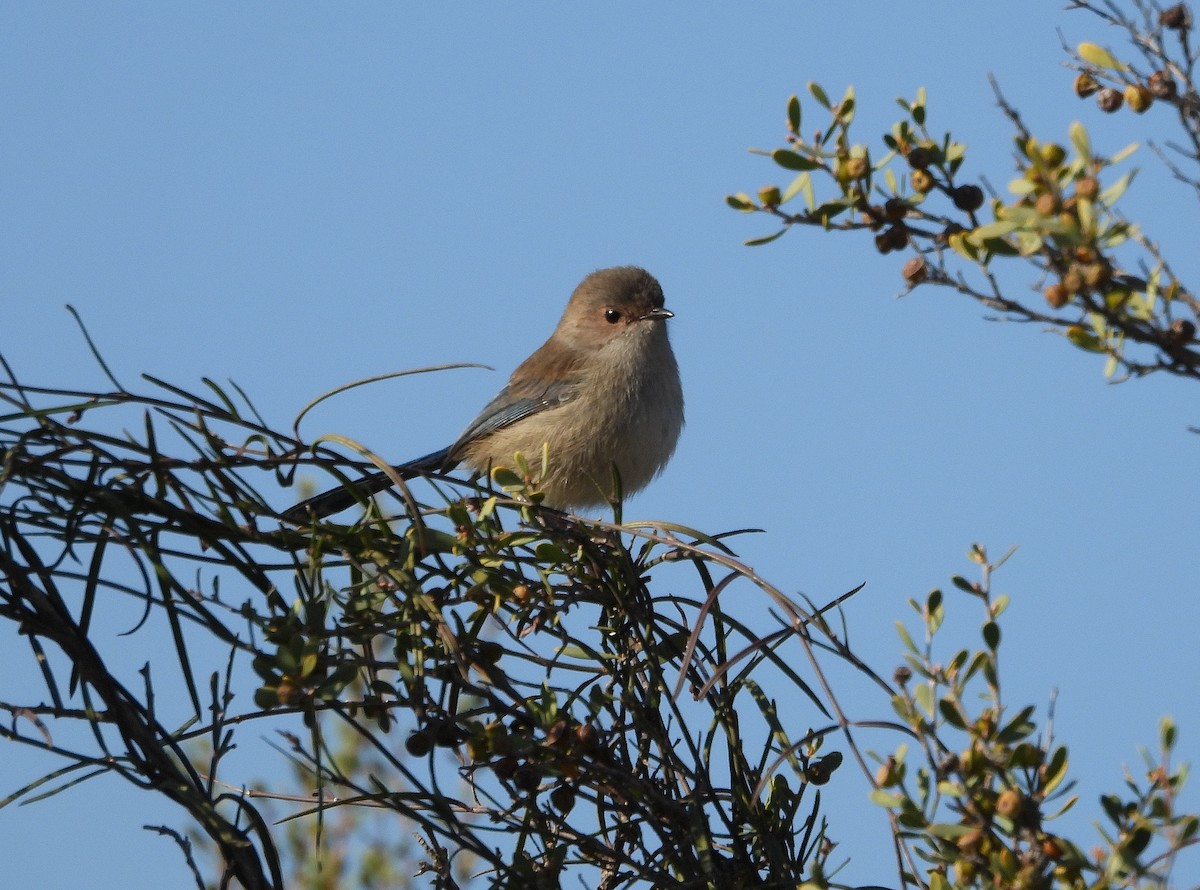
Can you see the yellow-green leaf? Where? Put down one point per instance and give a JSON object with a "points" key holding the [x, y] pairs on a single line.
{"points": [[1081, 142], [1100, 57], [800, 183]]}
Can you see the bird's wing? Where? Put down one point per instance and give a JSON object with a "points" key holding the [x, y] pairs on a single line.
{"points": [[518, 400]]}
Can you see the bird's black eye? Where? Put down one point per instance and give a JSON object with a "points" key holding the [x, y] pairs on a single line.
{"points": [[612, 316]]}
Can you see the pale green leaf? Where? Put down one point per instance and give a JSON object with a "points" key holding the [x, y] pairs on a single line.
{"points": [[886, 798], [800, 183], [1081, 142], [1029, 243], [1123, 153], [1021, 186], [923, 696], [998, 229], [1112, 194], [1100, 57]]}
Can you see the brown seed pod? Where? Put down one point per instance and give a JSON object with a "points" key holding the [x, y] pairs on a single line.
{"points": [[857, 168], [1056, 295], [872, 217], [895, 209], [1087, 188], [1047, 204], [1162, 85], [1072, 280], [419, 743], [922, 181], [1085, 85], [1176, 18], [527, 776], [1109, 100], [1184, 330], [1008, 804], [1097, 276], [1138, 98], [896, 237], [968, 198], [920, 157], [915, 270]]}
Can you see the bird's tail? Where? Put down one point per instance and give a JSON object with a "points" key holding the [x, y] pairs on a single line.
{"points": [[345, 496]]}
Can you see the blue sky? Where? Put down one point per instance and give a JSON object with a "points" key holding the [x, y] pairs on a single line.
{"points": [[299, 196]]}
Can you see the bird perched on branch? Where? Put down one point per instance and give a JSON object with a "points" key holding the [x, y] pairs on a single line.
{"points": [[602, 394]]}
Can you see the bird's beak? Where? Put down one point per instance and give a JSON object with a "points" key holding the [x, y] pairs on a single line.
{"points": [[658, 315]]}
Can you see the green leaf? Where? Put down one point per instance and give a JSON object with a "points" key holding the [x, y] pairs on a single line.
{"points": [[949, 832], [991, 635], [506, 478], [766, 239], [918, 108], [308, 664], [819, 94], [952, 714], [845, 109], [1071, 801], [1083, 340], [905, 711], [791, 160], [980, 660], [963, 246], [1190, 826], [1138, 841], [1025, 756], [904, 637], [548, 552], [793, 113], [741, 201], [1112, 807], [1166, 732], [1018, 728], [1100, 57]]}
